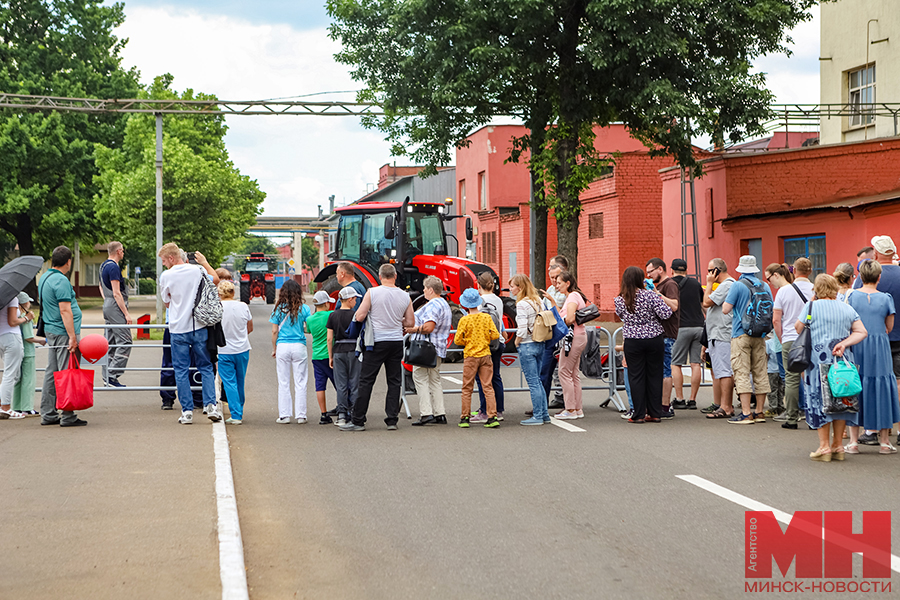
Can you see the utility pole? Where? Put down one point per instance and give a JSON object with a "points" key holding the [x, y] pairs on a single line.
{"points": [[159, 215]]}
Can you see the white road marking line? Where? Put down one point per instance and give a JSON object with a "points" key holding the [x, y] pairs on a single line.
{"points": [[452, 379], [751, 504], [566, 425], [231, 549]]}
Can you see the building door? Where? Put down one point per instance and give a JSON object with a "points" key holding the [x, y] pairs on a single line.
{"points": [[754, 247]]}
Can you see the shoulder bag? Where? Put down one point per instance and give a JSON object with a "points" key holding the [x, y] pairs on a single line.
{"points": [[800, 354], [587, 314], [421, 353], [207, 304]]}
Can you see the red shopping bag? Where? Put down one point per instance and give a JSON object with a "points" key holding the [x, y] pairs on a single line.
{"points": [[74, 387]]}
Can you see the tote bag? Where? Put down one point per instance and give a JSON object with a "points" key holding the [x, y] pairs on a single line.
{"points": [[421, 353], [74, 386]]}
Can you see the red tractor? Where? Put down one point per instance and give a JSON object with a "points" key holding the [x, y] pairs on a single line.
{"points": [[257, 280], [412, 236]]}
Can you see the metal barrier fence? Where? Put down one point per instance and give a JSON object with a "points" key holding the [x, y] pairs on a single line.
{"points": [[511, 360]]}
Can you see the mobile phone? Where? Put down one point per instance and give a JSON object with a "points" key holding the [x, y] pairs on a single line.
{"points": [[716, 271], [192, 257]]}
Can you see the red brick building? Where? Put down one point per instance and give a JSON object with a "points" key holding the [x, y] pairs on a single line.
{"points": [[621, 224]]}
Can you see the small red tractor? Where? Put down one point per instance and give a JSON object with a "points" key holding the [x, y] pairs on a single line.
{"points": [[257, 280]]}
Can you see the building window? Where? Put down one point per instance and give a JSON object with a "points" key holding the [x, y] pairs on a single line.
{"points": [[812, 247], [91, 273], [862, 92], [482, 191], [489, 247], [595, 226], [462, 197]]}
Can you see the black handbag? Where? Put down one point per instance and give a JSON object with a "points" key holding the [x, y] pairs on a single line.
{"points": [[587, 314], [421, 353], [800, 354]]}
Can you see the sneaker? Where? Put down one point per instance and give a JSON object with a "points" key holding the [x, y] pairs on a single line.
{"points": [[532, 421], [325, 420], [186, 418], [759, 418], [771, 414], [392, 427], [464, 422], [301, 421], [579, 414], [742, 419], [283, 420], [233, 421], [679, 404], [440, 419], [567, 415], [710, 409], [341, 422], [781, 417], [206, 410], [691, 405], [492, 422], [349, 426], [114, 382], [478, 418], [667, 413], [499, 416], [213, 413], [626, 415], [869, 439]]}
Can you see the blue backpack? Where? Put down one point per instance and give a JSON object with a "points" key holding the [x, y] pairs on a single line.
{"points": [[756, 319]]}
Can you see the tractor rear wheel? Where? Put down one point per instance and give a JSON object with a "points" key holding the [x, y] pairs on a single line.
{"points": [[270, 292], [245, 292], [456, 313]]}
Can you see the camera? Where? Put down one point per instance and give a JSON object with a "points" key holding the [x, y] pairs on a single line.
{"points": [[192, 258]]}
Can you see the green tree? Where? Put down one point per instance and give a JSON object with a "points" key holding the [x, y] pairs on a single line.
{"points": [[57, 48], [207, 203], [670, 70], [309, 254]]}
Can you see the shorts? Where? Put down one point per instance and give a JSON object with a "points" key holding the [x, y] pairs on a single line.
{"points": [[323, 373], [748, 357], [895, 356], [720, 356], [687, 346], [667, 357]]}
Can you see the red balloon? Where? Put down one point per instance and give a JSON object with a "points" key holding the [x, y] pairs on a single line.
{"points": [[93, 347]]}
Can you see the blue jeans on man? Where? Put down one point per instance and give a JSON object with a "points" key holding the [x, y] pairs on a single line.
{"points": [[530, 356], [184, 347]]}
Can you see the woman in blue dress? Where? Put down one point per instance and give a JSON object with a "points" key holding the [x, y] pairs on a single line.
{"points": [[834, 327], [879, 407]]}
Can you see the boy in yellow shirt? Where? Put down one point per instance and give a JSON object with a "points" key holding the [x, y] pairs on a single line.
{"points": [[474, 334]]}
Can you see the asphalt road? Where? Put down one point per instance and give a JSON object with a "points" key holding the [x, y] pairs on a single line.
{"points": [[126, 506]]}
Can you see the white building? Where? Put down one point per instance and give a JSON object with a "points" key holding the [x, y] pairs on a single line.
{"points": [[859, 63]]}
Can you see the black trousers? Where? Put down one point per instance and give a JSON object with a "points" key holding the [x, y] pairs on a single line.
{"points": [[645, 375], [389, 354]]}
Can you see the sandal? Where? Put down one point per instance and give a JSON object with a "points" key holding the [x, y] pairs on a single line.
{"points": [[11, 414], [820, 456], [887, 449], [837, 453], [851, 448], [719, 414]]}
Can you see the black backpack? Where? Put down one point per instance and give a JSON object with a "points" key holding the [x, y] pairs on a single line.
{"points": [[756, 319]]}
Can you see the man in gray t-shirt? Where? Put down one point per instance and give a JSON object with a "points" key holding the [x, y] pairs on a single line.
{"points": [[718, 331]]}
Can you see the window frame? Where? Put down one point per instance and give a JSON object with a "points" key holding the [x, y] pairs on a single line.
{"points": [[790, 258], [862, 93]]}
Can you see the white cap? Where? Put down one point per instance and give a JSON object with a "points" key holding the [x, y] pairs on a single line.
{"points": [[348, 292], [322, 298], [883, 244]]}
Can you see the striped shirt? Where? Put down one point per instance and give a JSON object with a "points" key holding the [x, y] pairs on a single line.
{"points": [[437, 311]]}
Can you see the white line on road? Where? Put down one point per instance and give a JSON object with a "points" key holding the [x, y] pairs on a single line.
{"points": [[565, 425], [452, 379], [751, 504], [231, 549]]}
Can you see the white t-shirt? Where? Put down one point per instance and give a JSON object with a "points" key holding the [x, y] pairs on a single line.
{"points": [[4, 320], [788, 301], [235, 316], [178, 287]]}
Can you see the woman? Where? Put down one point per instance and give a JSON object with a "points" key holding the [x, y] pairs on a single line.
{"points": [[528, 304], [640, 311], [879, 408], [778, 276], [843, 273], [568, 362], [433, 321], [834, 327], [237, 324], [486, 289], [11, 351], [289, 350]]}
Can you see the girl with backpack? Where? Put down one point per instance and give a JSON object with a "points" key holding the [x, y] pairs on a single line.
{"points": [[528, 304], [289, 349]]}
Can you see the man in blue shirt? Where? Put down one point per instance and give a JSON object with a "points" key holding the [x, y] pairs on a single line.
{"points": [[748, 354], [346, 277], [62, 323], [115, 312]]}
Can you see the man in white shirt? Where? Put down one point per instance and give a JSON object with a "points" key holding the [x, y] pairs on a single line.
{"points": [[178, 288], [789, 303]]}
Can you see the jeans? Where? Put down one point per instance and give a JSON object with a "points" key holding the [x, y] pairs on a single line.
{"points": [[645, 375], [389, 354], [232, 372], [548, 366], [496, 382], [184, 347], [628, 390], [530, 356], [346, 381], [667, 357]]}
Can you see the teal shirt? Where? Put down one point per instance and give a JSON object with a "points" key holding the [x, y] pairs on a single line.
{"points": [[27, 330], [54, 287], [291, 332]]}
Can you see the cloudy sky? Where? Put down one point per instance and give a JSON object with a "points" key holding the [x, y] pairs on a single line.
{"points": [[269, 49]]}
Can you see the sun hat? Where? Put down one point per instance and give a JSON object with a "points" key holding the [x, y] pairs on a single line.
{"points": [[883, 244], [322, 298], [348, 292], [747, 264], [470, 298], [23, 297]]}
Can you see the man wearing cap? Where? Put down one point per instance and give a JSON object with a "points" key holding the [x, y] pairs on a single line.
{"points": [[342, 354], [433, 322], [317, 325], [690, 329], [667, 288], [748, 354], [789, 303]]}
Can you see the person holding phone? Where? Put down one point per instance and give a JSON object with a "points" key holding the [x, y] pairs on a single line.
{"points": [[718, 331]]}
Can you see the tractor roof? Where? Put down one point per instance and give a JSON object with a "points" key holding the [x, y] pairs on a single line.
{"points": [[383, 206]]}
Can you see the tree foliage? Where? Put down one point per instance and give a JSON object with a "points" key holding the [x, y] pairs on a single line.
{"points": [[670, 70], [56, 48], [207, 203], [309, 252]]}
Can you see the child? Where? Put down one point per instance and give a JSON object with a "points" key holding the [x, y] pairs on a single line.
{"points": [[237, 323], [342, 354], [776, 383], [474, 334], [289, 350], [317, 325], [23, 393]]}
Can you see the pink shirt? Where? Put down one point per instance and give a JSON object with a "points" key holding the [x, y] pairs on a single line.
{"points": [[575, 298]]}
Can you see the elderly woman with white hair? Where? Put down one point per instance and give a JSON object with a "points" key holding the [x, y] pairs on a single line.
{"points": [[433, 322], [237, 323]]}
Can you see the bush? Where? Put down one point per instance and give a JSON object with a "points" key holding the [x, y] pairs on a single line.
{"points": [[148, 287]]}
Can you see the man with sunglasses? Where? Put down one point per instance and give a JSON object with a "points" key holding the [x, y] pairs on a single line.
{"points": [[668, 289], [550, 366]]}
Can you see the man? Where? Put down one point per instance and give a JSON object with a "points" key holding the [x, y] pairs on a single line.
{"points": [[346, 277], [386, 310], [62, 322], [687, 345], [748, 354], [718, 331], [178, 288], [667, 288], [867, 253], [789, 303], [549, 364], [115, 312]]}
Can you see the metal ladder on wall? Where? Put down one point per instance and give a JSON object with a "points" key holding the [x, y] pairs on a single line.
{"points": [[689, 219]]}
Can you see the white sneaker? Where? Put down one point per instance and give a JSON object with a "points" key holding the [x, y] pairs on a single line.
{"points": [[213, 413], [283, 420], [205, 410], [340, 422], [186, 418], [567, 415], [301, 421], [626, 415]]}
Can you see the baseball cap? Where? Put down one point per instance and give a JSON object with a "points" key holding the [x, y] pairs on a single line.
{"points": [[348, 292], [679, 264], [23, 297], [322, 298], [883, 244]]}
